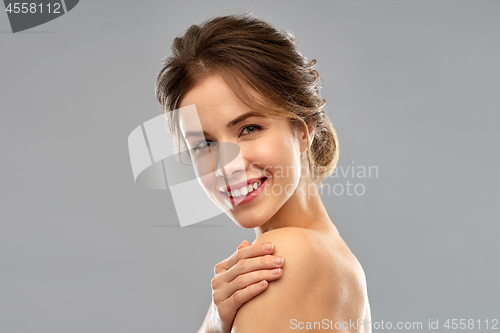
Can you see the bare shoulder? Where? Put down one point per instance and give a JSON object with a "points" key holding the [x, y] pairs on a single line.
{"points": [[321, 279], [295, 242]]}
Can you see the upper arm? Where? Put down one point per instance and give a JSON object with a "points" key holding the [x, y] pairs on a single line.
{"points": [[268, 311], [294, 295]]}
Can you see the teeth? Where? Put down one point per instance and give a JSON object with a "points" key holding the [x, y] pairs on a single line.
{"points": [[243, 191]]}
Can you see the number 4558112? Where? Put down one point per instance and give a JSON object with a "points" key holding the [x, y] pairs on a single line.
{"points": [[470, 324], [32, 7]]}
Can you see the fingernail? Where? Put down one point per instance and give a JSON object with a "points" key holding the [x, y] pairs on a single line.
{"points": [[277, 260], [275, 271], [267, 246]]}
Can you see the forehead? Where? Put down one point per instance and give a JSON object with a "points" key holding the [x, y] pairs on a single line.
{"points": [[214, 100]]}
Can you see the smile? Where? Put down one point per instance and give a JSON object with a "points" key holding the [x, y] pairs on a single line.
{"points": [[246, 193], [244, 190]]}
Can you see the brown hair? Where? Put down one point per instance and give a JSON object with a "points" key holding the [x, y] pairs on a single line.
{"points": [[249, 52]]}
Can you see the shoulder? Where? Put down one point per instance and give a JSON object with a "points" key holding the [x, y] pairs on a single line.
{"points": [[302, 252], [296, 242], [318, 274]]}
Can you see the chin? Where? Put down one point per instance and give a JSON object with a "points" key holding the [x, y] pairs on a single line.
{"points": [[259, 215], [249, 222]]}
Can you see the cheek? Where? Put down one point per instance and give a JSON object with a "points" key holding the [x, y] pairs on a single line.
{"points": [[261, 154], [208, 183], [279, 155]]}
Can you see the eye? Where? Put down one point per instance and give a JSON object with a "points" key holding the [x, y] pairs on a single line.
{"points": [[250, 129], [202, 146]]}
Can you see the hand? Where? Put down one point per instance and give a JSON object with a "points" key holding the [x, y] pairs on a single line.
{"points": [[239, 278]]}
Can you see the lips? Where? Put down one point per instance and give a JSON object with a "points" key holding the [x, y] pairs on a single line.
{"points": [[243, 188], [245, 198]]}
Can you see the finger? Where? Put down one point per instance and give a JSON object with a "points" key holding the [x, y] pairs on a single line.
{"points": [[244, 295], [220, 267], [243, 244], [224, 265], [243, 281], [253, 264], [254, 250]]}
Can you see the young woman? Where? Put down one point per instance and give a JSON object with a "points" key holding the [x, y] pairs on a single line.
{"points": [[254, 90]]}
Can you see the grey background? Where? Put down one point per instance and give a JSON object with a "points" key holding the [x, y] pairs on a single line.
{"points": [[412, 87]]}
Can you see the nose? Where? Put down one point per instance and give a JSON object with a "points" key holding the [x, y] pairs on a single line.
{"points": [[229, 160]]}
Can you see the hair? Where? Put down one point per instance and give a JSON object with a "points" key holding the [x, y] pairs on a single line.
{"points": [[248, 52]]}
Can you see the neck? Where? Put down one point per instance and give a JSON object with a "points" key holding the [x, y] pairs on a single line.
{"points": [[304, 209]]}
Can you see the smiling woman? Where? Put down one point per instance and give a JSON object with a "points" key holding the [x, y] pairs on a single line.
{"points": [[259, 112]]}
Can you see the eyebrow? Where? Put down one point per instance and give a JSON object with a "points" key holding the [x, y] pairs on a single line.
{"points": [[230, 124], [243, 117]]}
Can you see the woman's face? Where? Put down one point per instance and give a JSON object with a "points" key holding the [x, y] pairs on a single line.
{"points": [[254, 186]]}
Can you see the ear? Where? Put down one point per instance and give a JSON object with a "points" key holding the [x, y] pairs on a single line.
{"points": [[303, 138]]}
